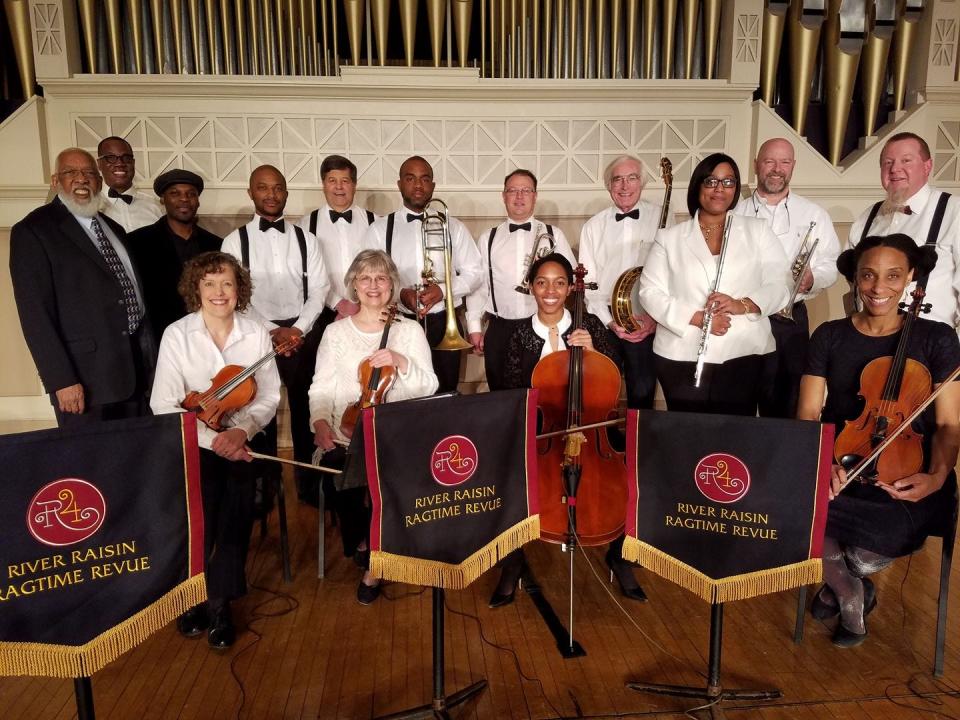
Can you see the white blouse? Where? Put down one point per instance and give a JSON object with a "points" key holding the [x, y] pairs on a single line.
{"points": [[336, 384], [189, 359]]}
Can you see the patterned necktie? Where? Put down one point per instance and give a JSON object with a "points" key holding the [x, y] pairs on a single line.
{"points": [[116, 266]]}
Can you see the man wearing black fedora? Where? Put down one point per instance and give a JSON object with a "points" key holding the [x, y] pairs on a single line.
{"points": [[163, 248]]}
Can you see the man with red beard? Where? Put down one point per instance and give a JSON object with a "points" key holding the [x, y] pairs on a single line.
{"points": [[80, 302], [927, 215], [121, 201]]}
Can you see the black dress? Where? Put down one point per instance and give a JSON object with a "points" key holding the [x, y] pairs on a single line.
{"points": [[863, 515]]}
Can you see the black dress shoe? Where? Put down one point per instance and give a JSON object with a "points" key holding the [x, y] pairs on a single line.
{"points": [[194, 621], [366, 594], [499, 599], [221, 634], [845, 638], [511, 568], [822, 610], [623, 572]]}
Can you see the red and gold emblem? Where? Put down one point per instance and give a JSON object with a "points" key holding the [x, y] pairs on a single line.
{"points": [[454, 460], [722, 478], [65, 512]]}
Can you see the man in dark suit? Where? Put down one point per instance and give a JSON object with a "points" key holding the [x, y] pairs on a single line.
{"points": [[79, 300], [163, 248]]}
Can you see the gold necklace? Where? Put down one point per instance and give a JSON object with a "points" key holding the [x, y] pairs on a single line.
{"points": [[709, 230]]}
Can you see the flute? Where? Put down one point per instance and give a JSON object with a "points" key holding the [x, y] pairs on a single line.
{"points": [[707, 323]]}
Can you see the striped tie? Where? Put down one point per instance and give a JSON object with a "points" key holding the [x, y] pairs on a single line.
{"points": [[113, 262]]}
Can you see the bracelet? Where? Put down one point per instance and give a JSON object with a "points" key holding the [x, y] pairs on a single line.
{"points": [[746, 306]]}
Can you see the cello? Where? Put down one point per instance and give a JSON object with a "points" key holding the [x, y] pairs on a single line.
{"points": [[374, 382], [582, 479]]}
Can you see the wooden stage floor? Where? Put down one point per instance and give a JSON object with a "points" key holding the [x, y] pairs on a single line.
{"points": [[308, 650]]}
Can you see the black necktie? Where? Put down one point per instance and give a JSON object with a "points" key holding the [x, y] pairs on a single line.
{"points": [[278, 225], [128, 199], [346, 215], [411, 217], [521, 226], [123, 280], [633, 215]]}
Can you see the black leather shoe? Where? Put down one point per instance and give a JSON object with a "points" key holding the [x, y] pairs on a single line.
{"points": [[623, 572], [366, 594], [512, 567], [194, 621], [221, 634], [842, 637], [822, 610], [499, 599]]}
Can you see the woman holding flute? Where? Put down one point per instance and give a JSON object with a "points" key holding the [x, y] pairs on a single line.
{"points": [[711, 283]]}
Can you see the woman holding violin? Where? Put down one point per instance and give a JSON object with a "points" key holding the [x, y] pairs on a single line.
{"points": [[711, 283], [870, 524], [355, 353], [550, 330], [216, 289]]}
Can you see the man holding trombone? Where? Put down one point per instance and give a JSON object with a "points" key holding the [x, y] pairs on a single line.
{"points": [[810, 242], [430, 249], [507, 251]]}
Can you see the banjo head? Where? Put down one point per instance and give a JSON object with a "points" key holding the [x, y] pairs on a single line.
{"points": [[625, 299]]}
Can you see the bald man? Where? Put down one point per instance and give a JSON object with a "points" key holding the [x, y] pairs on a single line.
{"points": [[790, 215], [80, 301]]}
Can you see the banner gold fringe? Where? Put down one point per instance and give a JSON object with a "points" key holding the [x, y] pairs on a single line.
{"points": [[728, 589], [71, 661], [430, 573]]}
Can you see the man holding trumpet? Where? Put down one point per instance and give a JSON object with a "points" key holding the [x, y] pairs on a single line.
{"points": [[507, 251], [800, 225], [400, 234]]}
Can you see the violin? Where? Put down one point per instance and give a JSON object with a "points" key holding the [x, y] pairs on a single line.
{"points": [[583, 480], [892, 388], [232, 388], [374, 382]]}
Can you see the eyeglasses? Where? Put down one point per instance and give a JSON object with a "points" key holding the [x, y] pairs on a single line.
{"points": [[522, 192], [74, 174], [630, 179], [114, 159], [726, 183], [367, 280]]}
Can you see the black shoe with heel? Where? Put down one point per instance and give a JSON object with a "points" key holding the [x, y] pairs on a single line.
{"points": [[511, 570], [623, 572]]}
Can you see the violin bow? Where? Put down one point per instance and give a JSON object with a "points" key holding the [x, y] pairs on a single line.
{"points": [[318, 468], [867, 461]]}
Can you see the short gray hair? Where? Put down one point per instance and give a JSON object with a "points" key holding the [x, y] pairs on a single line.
{"points": [[372, 260], [608, 170]]}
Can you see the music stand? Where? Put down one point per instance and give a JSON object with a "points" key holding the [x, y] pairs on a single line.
{"points": [[714, 692], [83, 693], [438, 707]]}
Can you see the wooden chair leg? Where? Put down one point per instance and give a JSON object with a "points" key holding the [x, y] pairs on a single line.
{"points": [[321, 512], [801, 609], [284, 538]]}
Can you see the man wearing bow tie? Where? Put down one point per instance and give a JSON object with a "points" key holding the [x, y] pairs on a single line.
{"points": [[290, 289], [611, 242], [505, 254], [789, 216], [121, 201], [927, 215], [399, 235], [339, 226]]}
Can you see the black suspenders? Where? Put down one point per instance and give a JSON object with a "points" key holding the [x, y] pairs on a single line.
{"points": [[301, 241], [493, 233]]}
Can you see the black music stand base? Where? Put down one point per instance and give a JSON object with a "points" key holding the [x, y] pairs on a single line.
{"points": [[83, 692], [713, 692], [441, 703]]}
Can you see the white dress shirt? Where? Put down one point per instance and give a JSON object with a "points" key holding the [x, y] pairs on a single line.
{"points": [[339, 243], [511, 260], [189, 359], [276, 268], [609, 248], [87, 224], [344, 346], [943, 284], [407, 253], [790, 220], [678, 275], [144, 210]]}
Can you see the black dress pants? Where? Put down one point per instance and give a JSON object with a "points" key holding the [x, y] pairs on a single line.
{"points": [[729, 388], [784, 368], [495, 342]]}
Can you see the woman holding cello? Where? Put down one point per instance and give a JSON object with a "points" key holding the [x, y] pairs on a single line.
{"points": [[550, 330], [216, 289], [361, 345], [870, 524]]}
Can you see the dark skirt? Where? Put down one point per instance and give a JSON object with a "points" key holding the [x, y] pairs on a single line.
{"points": [[866, 517]]}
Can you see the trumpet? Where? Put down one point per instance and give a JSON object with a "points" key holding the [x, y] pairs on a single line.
{"points": [[707, 325], [535, 254], [435, 237], [799, 266]]}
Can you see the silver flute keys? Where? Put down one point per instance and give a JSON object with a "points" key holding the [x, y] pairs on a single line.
{"points": [[707, 324]]}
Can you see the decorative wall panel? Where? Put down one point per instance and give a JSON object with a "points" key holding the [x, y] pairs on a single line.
{"points": [[465, 153], [946, 153]]}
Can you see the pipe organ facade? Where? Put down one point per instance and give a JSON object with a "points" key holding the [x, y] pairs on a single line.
{"points": [[478, 87]]}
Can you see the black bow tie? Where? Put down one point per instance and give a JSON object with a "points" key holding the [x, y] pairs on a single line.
{"points": [[128, 199], [278, 225], [521, 226], [633, 215], [346, 215], [411, 217]]}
